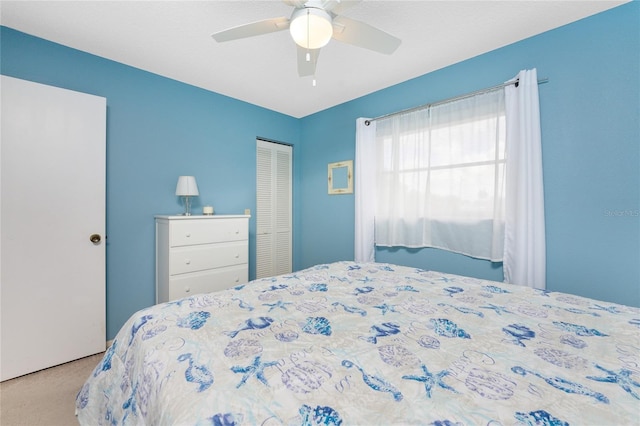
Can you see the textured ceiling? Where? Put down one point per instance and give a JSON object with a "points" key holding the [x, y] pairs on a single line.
{"points": [[173, 39]]}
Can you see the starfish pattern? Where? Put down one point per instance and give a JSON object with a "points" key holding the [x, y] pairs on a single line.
{"points": [[431, 379], [498, 309], [254, 369], [386, 308], [621, 377], [278, 304]]}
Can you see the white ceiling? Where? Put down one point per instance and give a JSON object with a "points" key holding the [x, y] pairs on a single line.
{"points": [[173, 39]]}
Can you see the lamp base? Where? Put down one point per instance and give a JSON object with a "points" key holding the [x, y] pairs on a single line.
{"points": [[187, 206]]}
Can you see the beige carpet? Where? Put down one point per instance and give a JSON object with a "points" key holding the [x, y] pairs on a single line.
{"points": [[46, 397]]}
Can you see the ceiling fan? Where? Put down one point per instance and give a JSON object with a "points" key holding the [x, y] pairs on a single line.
{"points": [[312, 24]]}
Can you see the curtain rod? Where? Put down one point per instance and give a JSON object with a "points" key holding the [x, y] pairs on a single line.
{"points": [[455, 98]]}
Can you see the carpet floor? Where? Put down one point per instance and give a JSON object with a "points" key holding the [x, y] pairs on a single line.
{"points": [[46, 397]]}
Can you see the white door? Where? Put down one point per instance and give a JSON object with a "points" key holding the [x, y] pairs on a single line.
{"points": [[273, 209], [52, 188]]}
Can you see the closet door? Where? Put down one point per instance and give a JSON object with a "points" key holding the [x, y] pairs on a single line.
{"points": [[52, 286], [273, 209]]}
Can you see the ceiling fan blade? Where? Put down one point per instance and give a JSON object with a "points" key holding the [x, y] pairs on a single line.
{"points": [[306, 68], [295, 3], [364, 35], [338, 6], [253, 29]]}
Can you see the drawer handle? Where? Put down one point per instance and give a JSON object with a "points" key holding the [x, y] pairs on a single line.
{"points": [[187, 289], [237, 279], [187, 262], [237, 231], [188, 235], [237, 255]]}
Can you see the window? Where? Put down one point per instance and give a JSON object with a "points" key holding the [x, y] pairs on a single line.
{"points": [[441, 177]]}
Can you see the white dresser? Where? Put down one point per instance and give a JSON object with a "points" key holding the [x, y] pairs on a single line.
{"points": [[200, 254]]}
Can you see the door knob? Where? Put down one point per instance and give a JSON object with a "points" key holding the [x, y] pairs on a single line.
{"points": [[95, 238]]}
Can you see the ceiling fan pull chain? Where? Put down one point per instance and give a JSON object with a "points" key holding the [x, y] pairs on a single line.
{"points": [[308, 34], [309, 51], [308, 56]]}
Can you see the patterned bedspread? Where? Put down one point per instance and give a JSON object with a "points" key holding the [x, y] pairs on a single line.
{"points": [[363, 344]]}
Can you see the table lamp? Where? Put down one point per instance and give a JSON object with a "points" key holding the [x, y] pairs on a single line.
{"points": [[187, 188]]}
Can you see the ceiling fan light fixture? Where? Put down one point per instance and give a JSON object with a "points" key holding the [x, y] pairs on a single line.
{"points": [[311, 28]]}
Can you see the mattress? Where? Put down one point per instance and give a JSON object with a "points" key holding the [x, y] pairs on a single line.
{"points": [[371, 343]]}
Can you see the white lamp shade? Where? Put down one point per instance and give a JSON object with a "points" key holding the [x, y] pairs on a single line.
{"points": [[311, 28], [187, 186]]}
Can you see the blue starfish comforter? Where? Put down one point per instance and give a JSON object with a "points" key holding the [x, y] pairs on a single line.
{"points": [[363, 344]]}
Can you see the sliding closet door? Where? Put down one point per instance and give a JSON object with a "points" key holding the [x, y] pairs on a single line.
{"points": [[274, 209], [52, 286]]}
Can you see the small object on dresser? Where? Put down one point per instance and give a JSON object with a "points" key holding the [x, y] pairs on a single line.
{"points": [[207, 210]]}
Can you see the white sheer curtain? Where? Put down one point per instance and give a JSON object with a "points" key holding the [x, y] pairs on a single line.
{"points": [[524, 247], [440, 179], [365, 194], [522, 237]]}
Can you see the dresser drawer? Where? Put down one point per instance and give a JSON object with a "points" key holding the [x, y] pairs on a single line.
{"points": [[207, 256], [207, 281], [184, 233]]}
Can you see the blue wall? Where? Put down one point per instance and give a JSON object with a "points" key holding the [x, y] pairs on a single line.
{"points": [[158, 129], [590, 115]]}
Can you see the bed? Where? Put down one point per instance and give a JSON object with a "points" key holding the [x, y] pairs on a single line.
{"points": [[371, 343]]}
